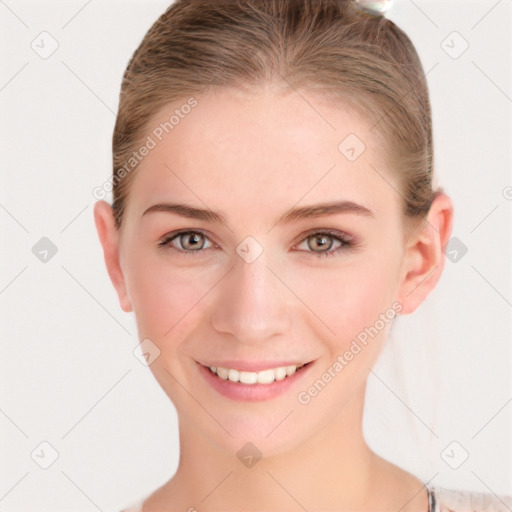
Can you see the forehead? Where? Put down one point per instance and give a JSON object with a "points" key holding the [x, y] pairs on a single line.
{"points": [[263, 148]]}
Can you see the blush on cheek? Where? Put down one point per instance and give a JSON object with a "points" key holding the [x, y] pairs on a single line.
{"points": [[166, 301], [342, 303], [348, 304]]}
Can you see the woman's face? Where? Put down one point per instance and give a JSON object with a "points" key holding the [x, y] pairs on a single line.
{"points": [[257, 290]]}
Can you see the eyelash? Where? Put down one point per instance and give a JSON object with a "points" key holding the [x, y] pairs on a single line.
{"points": [[347, 244]]}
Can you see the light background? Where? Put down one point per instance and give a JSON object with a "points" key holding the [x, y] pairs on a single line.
{"points": [[69, 376]]}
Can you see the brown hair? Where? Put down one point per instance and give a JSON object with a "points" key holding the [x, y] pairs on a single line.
{"points": [[328, 46]]}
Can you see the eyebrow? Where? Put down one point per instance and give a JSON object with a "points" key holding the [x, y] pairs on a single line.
{"points": [[291, 215]]}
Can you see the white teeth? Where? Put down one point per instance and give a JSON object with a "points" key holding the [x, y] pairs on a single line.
{"points": [[266, 377], [233, 375], [280, 373], [290, 370], [262, 377], [222, 373], [248, 377]]}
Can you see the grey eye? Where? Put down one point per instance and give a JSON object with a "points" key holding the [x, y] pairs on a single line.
{"points": [[320, 241], [191, 241]]}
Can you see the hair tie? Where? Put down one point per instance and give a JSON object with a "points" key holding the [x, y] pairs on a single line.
{"points": [[373, 7]]}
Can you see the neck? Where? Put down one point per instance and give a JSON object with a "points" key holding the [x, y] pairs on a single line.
{"points": [[333, 470]]}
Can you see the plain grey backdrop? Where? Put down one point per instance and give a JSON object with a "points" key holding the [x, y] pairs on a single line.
{"points": [[83, 424]]}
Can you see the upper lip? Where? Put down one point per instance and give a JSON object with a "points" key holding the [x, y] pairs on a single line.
{"points": [[253, 366]]}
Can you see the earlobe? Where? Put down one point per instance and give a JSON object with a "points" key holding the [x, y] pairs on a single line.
{"points": [[424, 258], [109, 238]]}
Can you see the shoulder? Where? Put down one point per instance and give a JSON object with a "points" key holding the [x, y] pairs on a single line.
{"points": [[137, 507], [458, 500], [134, 507]]}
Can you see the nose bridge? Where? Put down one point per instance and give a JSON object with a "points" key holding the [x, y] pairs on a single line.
{"points": [[252, 303]]}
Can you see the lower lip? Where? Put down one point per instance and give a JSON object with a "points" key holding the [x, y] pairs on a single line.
{"points": [[252, 392]]}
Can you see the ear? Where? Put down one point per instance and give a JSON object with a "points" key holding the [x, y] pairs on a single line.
{"points": [[109, 236], [424, 258]]}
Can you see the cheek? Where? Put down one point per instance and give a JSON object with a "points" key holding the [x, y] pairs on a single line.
{"points": [[348, 299], [341, 299], [165, 297]]}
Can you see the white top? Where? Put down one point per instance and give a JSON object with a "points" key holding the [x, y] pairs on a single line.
{"points": [[440, 500], [452, 500]]}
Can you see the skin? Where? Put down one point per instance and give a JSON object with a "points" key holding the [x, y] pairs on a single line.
{"points": [[252, 155]]}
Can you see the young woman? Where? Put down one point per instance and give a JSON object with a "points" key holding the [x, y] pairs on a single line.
{"points": [[273, 204]]}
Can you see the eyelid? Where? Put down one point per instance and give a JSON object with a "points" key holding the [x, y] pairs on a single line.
{"points": [[335, 233], [348, 241], [166, 240]]}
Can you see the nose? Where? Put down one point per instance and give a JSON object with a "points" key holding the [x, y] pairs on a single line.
{"points": [[252, 304]]}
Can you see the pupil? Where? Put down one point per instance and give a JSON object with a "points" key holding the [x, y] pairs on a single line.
{"points": [[194, 239], [320, 238]]}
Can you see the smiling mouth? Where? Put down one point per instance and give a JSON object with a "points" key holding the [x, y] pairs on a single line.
{"points": [[261, 377]]}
